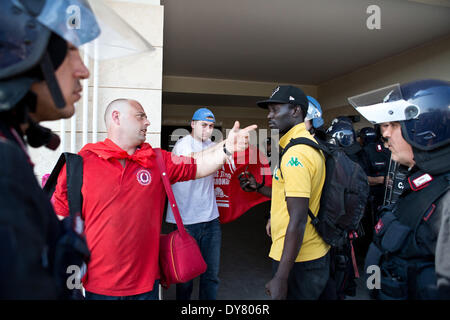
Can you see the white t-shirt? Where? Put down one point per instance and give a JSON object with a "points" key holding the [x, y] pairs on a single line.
{"points": [[195, 198]]}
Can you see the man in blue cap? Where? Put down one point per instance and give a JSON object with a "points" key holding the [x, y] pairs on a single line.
{"points": [[198, 208]]}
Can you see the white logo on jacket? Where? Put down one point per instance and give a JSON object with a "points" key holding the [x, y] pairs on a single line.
{"points": [[144, 177]]}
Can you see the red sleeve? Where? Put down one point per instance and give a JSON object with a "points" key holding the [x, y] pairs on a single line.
{"points": [[60, 202], [179, 168]]}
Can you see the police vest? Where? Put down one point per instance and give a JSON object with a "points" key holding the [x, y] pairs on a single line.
{"points": [[407, 265]]}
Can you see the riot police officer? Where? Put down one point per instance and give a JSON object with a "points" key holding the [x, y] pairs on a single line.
{"points": [[40, 73], [378, 157], [316, 125], [342, 133], [366, 135], [412, 237]]}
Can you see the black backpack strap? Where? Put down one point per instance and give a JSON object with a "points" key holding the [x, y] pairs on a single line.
{"points": [[50, 185], [308, 142], [414, 206], [74, 168]]}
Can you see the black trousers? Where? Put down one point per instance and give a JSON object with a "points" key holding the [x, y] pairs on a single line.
{"points": [[307, 280]]}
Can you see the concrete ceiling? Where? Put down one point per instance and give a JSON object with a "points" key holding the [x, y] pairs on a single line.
{"points": [[292, 41]]}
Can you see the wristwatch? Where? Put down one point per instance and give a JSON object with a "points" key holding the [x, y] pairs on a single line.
{"points": [[228, 153]]}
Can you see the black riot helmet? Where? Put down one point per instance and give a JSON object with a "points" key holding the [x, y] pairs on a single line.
{"points": [[423, 109], [368, 135], [34, 36], [341, 132]]}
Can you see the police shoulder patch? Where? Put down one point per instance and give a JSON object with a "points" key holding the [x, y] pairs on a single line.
{"points": [[420, 182]]}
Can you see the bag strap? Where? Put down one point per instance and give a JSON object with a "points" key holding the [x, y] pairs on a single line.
{"points": [[169, 192], [74, 169], [414, 206], [302, 140], [308, 142]]}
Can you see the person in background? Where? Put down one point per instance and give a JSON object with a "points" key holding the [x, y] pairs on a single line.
{"points": [[198, 208], [315, 124], [342, 133]]}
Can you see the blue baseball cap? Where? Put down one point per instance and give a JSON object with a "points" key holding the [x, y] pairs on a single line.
{"points": [[203, 114]]}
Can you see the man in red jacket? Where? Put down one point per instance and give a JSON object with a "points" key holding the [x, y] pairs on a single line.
{"points": [[123, 201]]}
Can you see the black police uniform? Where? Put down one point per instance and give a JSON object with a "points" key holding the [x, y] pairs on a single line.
{"points": [[409, 236], [377, 159], [29, 228], [356, 154], [35, 247], [412, 236]]}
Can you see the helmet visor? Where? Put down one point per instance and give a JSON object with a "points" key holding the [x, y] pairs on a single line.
{"points": [[384, 105], [81, 21], [313, 111], [344, 137]]}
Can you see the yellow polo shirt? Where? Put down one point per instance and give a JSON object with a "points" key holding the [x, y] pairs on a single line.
{"points": [[303, 169]]}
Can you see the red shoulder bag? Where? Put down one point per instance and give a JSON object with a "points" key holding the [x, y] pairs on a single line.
{"points": [[180, 259]]}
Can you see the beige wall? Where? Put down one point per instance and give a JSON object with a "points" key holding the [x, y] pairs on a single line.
{"points": [[431, 60], [428, 61], [225, 115], [136, 77]]}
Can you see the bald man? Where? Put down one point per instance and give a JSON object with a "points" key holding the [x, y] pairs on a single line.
{"points": [[124, 198]]}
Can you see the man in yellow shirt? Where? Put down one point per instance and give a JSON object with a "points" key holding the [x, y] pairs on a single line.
{"points": [[301, 258]]}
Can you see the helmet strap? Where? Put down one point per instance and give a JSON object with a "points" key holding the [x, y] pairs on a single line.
{"points": [[49, 75]]}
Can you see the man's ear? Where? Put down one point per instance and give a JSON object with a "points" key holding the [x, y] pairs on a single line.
{"points": [[115, 117], [192, 124], [298, 112]]}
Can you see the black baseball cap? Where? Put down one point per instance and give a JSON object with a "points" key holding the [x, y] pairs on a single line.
{"points": [[286, 94]]}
